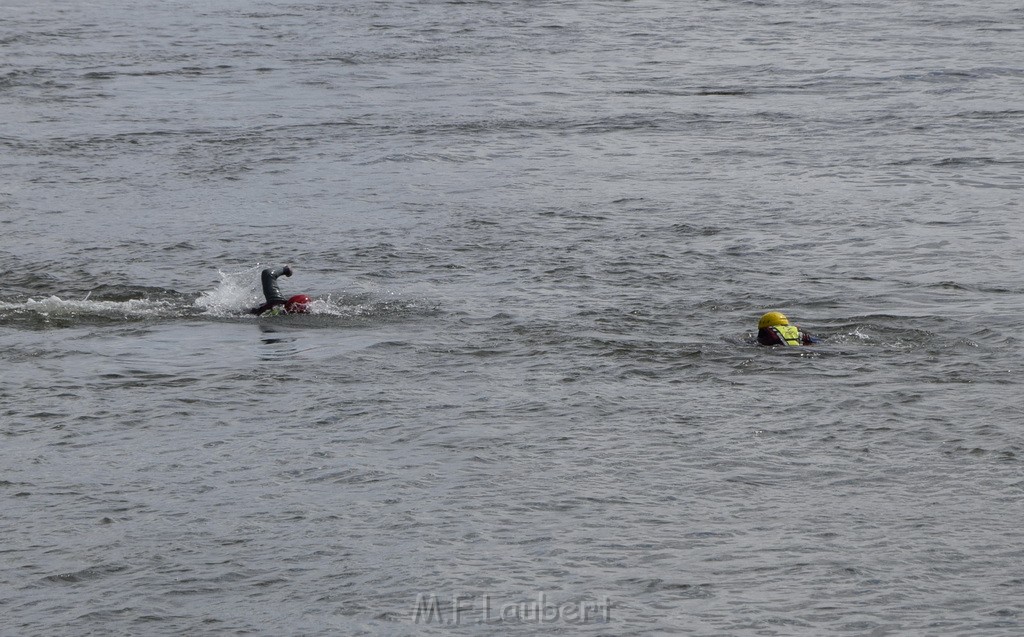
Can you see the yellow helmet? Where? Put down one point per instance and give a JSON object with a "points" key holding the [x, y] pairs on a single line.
{"points": [[771, 319]]}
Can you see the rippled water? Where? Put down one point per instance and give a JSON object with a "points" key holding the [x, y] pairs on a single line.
{"points": [[539, 235]]}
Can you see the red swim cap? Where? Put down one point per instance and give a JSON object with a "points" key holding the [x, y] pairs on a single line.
{"points": [[298, 304]]}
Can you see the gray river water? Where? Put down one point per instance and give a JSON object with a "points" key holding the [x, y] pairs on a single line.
{"points": [[539, 235]]}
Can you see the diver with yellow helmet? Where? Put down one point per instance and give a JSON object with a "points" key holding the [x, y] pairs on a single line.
{"points": [[774, 329]]}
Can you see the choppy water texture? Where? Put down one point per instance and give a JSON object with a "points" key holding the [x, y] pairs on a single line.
{"points": [[539, 235]]}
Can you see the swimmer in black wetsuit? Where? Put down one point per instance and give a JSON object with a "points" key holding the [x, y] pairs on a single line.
{"points": [[276, 303]]}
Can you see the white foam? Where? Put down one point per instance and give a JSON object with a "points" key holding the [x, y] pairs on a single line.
{"points": [[58, 307]]}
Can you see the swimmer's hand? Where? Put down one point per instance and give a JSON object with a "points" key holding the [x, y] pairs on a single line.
{"points": [[287, 270]]}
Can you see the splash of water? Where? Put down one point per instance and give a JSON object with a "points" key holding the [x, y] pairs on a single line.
{"points": [[238, 292], [235, 294]]}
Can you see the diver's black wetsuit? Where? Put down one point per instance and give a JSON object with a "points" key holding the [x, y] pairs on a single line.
{"points": [[270, 290]]}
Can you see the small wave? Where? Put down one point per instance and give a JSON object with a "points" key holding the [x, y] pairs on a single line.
{"points": [[974, 161], [992, 114], [403, 158]]}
